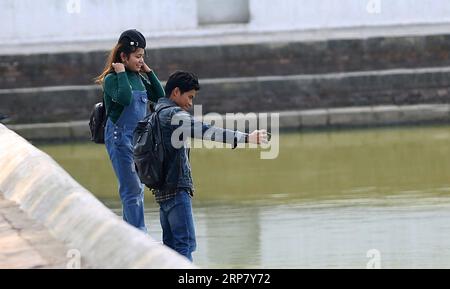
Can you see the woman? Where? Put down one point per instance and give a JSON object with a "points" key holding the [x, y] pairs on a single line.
{"points": [[126, 94]]}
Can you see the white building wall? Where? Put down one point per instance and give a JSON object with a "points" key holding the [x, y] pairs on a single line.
{"points": [[34, 21], [317, 14], [73, 20]]}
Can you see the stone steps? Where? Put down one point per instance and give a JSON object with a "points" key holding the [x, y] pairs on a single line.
{"points": [[251, 94], [278, 75], [282, 57]]}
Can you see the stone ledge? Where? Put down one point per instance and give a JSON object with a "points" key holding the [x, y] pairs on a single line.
{"points": [[26, 244], [349, 117]]}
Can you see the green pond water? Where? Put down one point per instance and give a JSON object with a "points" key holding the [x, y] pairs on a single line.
{"points": [[329, 200]]}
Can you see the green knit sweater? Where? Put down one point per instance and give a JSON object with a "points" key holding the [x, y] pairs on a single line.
{"points": [[118, 87]]}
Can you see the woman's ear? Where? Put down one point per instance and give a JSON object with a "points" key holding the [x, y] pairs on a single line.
{"points": [[123, 57]]}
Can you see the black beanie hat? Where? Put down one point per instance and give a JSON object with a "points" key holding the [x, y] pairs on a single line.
{"points": [[132, 37]]}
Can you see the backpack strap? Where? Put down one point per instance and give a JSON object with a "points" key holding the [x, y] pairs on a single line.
{"points": [[157, 121], [162, 108], [156, 111], [159, 110], [104, 106]]}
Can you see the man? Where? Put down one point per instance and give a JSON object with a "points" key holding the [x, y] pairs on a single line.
{"points": [[177, 125]]}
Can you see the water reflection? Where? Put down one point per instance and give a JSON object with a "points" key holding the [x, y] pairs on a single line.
{"points": [[235, 231], [328, 199], [408, 232], [332, 236]]}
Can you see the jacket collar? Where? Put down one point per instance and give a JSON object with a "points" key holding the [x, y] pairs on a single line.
{"points": [[164, 101]]}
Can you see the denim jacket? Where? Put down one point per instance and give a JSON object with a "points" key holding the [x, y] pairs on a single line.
{"points": [[177, 126]]}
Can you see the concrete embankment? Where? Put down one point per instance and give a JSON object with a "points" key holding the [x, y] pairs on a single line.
{"points": [[25, 244], [69, 213]]}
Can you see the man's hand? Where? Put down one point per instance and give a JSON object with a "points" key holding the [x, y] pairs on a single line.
{"points": [[258, 137], [118, 67]]}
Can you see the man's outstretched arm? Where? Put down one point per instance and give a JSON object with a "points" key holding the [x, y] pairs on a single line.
{"points": [[190, 127]]}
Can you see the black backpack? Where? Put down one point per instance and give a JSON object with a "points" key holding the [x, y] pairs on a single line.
{"points": [[148, 151], [97, 123]]}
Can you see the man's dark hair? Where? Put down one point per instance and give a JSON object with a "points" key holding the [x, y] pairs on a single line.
{"points": [[185, 81]]}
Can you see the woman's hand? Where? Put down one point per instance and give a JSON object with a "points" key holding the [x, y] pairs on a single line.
{"points": [[118, 67], [258, 137], [145, 68]]}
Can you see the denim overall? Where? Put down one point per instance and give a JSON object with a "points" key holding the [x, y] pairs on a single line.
{"points": [[118, 140]]}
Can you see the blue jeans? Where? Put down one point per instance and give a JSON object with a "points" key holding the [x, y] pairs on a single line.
{"points": [[118, 141], [177, 223]]}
